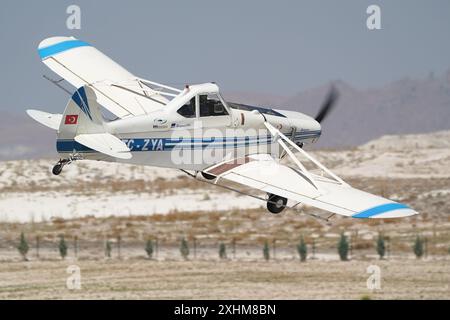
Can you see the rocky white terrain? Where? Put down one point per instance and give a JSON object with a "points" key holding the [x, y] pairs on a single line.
{"points": [[395, 156], [29, 192]]}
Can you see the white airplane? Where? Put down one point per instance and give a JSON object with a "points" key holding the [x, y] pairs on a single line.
{"points": [[227, 144]]}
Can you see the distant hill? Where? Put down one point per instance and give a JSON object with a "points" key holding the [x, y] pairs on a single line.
{"points": [[404, 106], [401, 107], [22, 138]]}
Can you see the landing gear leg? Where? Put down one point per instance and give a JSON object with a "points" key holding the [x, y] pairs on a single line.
{"points": [[57, 168]]}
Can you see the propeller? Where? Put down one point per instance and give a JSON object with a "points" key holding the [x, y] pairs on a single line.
{"points": [[327, 105]]}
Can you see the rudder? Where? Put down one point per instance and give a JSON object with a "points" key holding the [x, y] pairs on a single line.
{"points": [[82, 115]]}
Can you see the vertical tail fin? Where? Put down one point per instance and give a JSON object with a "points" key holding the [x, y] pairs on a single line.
{"points": [[82, 115], [82, 128]]}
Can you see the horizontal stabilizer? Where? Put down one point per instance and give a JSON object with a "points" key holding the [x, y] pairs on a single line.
{"points": [[51, 120], [105, 143]]}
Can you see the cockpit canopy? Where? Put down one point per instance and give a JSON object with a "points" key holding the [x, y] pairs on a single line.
{"points": [[210, 105]]}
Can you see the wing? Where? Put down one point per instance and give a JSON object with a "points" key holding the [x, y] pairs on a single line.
{"points": [[118, 90], [262, 172]]}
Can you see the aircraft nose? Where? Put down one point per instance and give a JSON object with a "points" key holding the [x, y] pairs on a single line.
{"points": [[315, 126], [306, 123], [303, 123], [306, 126]]}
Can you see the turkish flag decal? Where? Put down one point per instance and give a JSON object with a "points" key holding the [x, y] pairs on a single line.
{"points": [[71, 119]]}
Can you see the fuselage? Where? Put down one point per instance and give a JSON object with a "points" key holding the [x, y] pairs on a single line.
{"points": [[165, 139]]}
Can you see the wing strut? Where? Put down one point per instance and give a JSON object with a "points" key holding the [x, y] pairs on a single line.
{"points": [[295, 182], [281, 139]]}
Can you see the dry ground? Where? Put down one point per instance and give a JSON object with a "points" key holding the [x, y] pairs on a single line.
{"points": [[413, 170], [144, 279]]}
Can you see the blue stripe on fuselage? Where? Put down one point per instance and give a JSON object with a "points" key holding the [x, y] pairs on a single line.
{"points": [[71, 146], [168, 144]]}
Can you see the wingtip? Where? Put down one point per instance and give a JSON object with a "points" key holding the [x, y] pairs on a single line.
{"points": [[386, 210], [397, 214], [55, 45], [53, 40]]}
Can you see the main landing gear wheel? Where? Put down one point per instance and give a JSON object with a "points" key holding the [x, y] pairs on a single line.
{"points": [[276, 204]]}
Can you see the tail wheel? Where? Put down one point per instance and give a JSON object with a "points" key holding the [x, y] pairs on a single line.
{"points": [[276, 204], [57, 169]]}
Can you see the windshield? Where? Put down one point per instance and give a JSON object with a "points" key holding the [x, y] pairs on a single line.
{"points": [[211, 106], [268, 111]]}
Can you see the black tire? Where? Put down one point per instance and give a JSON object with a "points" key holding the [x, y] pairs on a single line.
{"points": [[276, 204], [57, 169], [208, 176]]}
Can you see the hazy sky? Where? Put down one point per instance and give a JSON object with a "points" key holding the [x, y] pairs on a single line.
{"points": [[275, 47]]}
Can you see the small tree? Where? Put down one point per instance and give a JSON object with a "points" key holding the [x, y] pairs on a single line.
{"points": [[381, 248], [302, 249], [62, 247], [149, 248], [23, 247], [343, 248], [108, 249], [418, 247], [266, 251], [222, 251], [184, 248]]}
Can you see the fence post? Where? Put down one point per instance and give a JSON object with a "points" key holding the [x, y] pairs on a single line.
{"points": [[119, 239], [233, 243], [274, 248], [37, 246], [388, 247], [75, 245], [195, 247], [313, 248]]}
